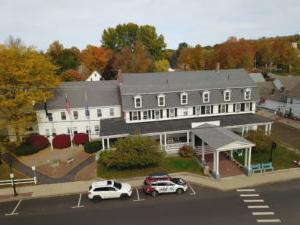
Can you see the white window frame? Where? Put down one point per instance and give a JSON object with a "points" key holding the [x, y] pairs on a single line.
{"points": [[182, 98], [111, 112], [198, 110], [99, 113], [238, 107], [63, 116], [172, 113], [246, 96], [225, 95], [97, 129], [75, 117], [135, 102], [204, 97], [159, 97]]}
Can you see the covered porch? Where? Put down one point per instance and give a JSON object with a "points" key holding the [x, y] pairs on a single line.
{"points": [[211, 141]]}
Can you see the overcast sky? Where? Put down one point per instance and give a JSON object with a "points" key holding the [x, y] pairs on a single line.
{"points": [[81, 22]]}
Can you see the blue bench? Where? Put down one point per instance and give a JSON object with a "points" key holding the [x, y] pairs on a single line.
{"points": [[256, 167], [267, 166]]}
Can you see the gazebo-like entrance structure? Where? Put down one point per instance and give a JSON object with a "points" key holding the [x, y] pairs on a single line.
{"points": [[211, 139]]}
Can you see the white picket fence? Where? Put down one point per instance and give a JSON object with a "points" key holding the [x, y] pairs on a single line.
{"points": [[18, 181]]}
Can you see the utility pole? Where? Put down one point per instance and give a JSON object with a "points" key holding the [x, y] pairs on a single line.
{"points": [[12, 177]]}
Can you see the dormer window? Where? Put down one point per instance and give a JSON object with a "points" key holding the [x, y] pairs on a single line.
{"points": [[161, 100], [138, 101], [184, 98], [205, 96], [247, 94], [227, 95]]}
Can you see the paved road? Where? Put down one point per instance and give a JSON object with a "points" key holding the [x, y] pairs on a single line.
{"points": [[207, 207]]}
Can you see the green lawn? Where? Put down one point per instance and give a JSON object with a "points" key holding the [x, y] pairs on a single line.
{"points": [[4, 172], [169, 165], [282, 158]]}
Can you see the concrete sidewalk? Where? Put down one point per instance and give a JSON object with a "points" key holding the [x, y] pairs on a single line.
{"points": [[225, 184]]}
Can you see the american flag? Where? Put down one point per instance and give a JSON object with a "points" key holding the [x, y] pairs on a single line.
{"points": [[67, 105]]}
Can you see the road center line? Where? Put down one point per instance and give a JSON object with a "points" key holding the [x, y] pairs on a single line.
{"points": [[138, 196], [245, 190], [14, 211], [249, 195], [254, 200], [79, 201], [262, 213], [268, 220], [193, 191], [258, 207]]}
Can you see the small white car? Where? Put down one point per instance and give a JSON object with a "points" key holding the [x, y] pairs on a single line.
{"points": [[109, 189]]}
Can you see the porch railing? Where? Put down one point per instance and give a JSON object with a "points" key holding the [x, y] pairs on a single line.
{"points": [[207, 150]]}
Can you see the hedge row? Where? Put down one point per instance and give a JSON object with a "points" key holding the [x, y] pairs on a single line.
{"points": [[32, 144], [93, 146]]}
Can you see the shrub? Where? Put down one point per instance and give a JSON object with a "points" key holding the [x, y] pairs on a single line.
{"points": [[61, 141], [131, 153], [38, 141], [94, 146], [186, 151], [25, 149], [81, 138]]}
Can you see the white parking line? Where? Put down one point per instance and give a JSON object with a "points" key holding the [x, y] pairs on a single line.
{"points": [[258, 207], [14, 211], [249, 195], [254, 200], [78, 204], [138, 196], [193, 191], [262, 213], [268, 220], [245, 190]]}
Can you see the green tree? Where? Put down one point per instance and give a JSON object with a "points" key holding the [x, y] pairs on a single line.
{"points": [[26, 78], [161, 65], [126, 35], [134, 151]]}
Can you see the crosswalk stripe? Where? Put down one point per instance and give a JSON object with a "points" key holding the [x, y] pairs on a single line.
{"points": [[249, 195], [268, 220], [254, 200], [262, 213], [258, 207], [245, 190]]}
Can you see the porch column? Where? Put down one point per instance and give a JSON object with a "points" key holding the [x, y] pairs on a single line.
{"points": [[160, 141], [108, 144], [202, 155], [247, 130], [193, 140], [243, 131], [188, 137], [216, 165], [231, 154], [246, 157], [249, 158], [165, 140], [270, 128], [266, 129], [103, 144]]}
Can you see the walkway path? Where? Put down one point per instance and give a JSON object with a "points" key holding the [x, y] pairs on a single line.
{"points": [[44, 179]]}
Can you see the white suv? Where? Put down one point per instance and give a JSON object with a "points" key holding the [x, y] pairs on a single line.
{"points": [[109, 189]]}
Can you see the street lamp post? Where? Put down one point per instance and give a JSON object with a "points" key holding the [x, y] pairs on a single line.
{"points": [[273, 147], [12, 177]]}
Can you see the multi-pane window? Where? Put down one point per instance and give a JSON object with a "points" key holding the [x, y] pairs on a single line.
{"points": [[185, 112], [87, 130], [184, 98], [247, 94], [97, 129], [134, 115], [50, 117], [75, 115], [111, 111], [237, 107], [198, 110], [145, 115], [227, 96], [247, 106], [205, 97], [99, 113], [75, 131], [161, 100], [172, 113], [207, 109], [63, 115], [138, 101], [157, 114]]}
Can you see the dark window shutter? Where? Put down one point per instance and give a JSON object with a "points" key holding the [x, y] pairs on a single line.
{"points": [[194, 110], [130, 116], [227, 108], [233, 107], [175, 112], [161, 113], [242, 107], [153, 116], [251, 106], [202, 110], [219, 109], [139, 115], [168, 113], [211, 109]]}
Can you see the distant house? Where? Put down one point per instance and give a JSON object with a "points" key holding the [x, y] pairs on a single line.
{"points": [[257, 77], [95, 76]]}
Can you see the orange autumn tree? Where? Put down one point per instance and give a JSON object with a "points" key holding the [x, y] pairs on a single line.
{"points": [[72, 75], [94, 58]]}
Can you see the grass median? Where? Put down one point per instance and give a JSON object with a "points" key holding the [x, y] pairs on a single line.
{"points": [[168, 165]]}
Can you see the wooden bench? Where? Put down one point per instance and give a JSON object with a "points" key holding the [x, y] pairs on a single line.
{"points": [[256, 167], [70, 160], [267, 166]]}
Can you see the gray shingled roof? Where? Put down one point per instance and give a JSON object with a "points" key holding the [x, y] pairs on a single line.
{"points": [[217, 137], [119, 126], [172, 84], [99, 93], [138, 83]]}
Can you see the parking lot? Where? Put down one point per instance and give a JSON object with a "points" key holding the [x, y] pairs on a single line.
{"points": [[80, 202]]}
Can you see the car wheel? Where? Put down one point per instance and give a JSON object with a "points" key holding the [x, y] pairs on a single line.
{"points": [[97, 198], [124, 196], [179, 191], [154, 193]]}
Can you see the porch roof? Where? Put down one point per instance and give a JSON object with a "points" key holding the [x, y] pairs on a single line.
{"points": [[220, 138]]}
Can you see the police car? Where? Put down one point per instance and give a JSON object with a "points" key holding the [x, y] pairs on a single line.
{"points": [[109, 189], [161, 183]]}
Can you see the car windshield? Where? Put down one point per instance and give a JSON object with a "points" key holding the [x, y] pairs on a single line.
{"points": [[117, 185], [178, 181]]}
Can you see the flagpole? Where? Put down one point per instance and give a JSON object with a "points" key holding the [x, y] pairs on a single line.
{"points": [[47, 116], [68, 109], [89, 115]]}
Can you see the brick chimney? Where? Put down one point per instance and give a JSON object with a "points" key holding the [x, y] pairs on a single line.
{"points": [[120, 76], [218, 67]]}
